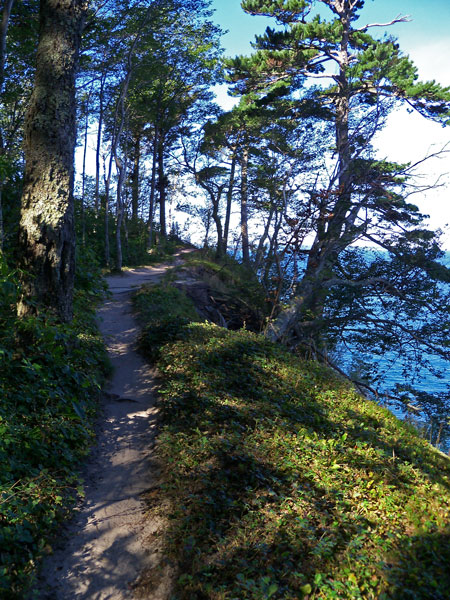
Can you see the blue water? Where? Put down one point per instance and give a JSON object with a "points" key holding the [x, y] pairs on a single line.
{"points": [[391, 375], [391, 372]]}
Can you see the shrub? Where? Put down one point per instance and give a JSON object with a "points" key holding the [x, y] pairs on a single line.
{"points": [[50, 378], [282, 482]]}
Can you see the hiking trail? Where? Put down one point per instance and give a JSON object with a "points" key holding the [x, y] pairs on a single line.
{"points": [[110, 541]]}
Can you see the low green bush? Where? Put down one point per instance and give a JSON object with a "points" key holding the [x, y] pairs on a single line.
{"points": [[162, 324], [50, 378], [241, 281], [282, 482]]}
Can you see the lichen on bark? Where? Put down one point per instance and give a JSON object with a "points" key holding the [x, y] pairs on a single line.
{"points": [[47, 235]]}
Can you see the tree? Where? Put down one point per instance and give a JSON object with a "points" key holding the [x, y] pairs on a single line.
{"points": [[365, 199], [46, 238], [188, 53], [366, 76], [6, 13], [166, 55], [18, 40]]}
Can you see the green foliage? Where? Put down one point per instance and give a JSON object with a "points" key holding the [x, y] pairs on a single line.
{"points": [[50, 377], [162, 325], [164, 249], [233, 289], [134, 247], [394, 304], [8, 292], [282, 482]]}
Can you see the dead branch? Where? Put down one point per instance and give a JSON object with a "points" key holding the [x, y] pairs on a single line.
{"points": [[398, 19]]}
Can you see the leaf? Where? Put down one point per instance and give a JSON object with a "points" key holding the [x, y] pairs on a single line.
{"points": [[306, 589], [78, 410], [272, 589]]}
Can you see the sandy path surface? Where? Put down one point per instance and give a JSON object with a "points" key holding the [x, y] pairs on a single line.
{"points": [[109, 541]]}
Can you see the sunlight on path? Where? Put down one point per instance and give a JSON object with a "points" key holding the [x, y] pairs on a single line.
{"points": [[109, 542]]}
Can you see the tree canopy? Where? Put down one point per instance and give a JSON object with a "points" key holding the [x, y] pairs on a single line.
{"points": [[288, 180], [392, 300]]}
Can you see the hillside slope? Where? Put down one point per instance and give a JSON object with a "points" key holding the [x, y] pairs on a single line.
{"points": [[279, 480]]}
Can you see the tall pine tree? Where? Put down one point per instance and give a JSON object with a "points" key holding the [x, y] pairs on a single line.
{"points": [[360, 79]]}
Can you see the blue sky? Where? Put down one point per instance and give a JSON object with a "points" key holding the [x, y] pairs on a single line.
{"points": [[407, 137], [430, 21]]}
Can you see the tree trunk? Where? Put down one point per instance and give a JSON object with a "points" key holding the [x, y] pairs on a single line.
{"points": [[215, 201], [135, 179], [120, 109], [260, 251], [83, 175], [151, 209], [6, 14], [226, 227], [46, 233], [273, 248], [99, 142], [162, 189], [303, 318], [207, 228], [244, 207], [121, 168], [106, 216]]}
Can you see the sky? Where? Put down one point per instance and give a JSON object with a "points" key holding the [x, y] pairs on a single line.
{"points": [[406, 137]]}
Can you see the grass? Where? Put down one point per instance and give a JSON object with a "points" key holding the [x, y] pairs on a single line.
{"points": [[50, 379], [281, 481]]}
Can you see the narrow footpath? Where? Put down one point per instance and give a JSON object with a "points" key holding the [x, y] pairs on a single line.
{"points": [[110, 540]]}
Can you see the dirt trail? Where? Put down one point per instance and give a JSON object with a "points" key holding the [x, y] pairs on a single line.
{"points": [[109, 542]]}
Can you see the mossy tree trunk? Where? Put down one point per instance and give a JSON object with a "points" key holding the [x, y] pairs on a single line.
{"points": [[46, 235]]}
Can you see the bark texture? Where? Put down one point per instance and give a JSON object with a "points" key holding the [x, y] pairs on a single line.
{"points": [[46, 235]]}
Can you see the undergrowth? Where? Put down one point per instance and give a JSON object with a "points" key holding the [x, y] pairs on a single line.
{"points": [[281, 481], [233, 288], [163, 251], [50, 378]]}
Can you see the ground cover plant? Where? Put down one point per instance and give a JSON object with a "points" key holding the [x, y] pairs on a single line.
{"points": [[50, 379], [281, 481]]}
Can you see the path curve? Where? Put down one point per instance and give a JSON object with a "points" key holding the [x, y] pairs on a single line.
{"points": [[108, 543]]}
